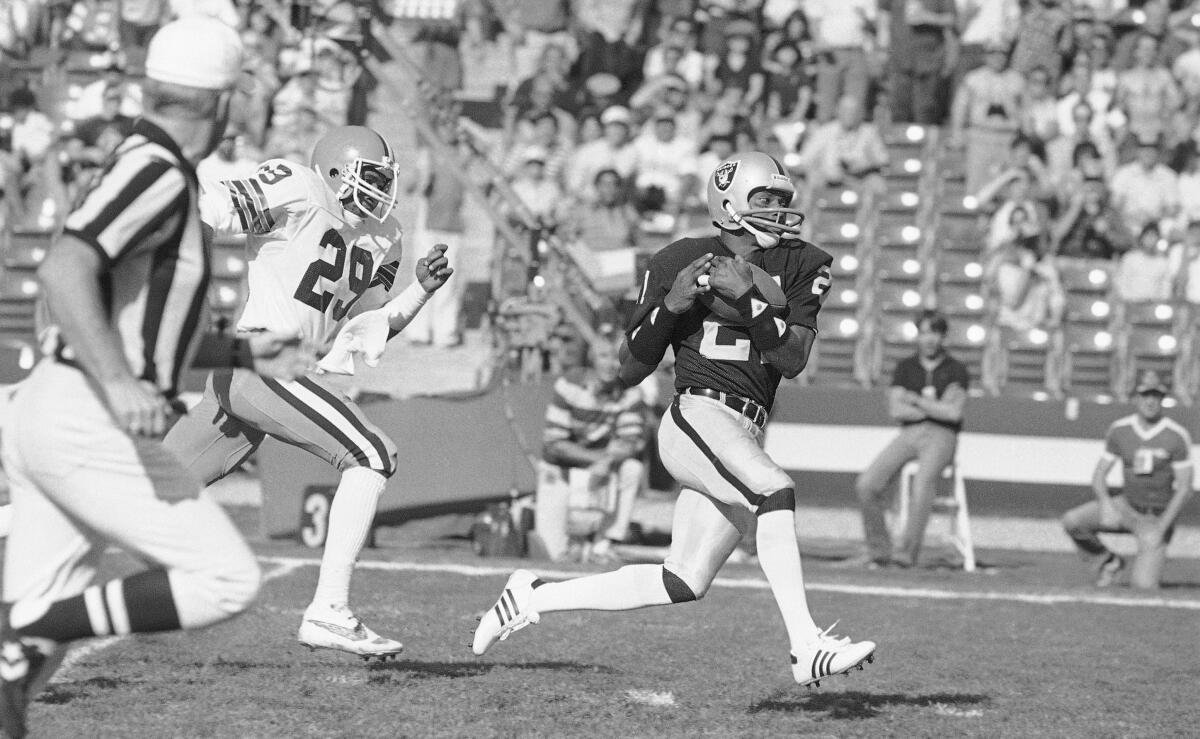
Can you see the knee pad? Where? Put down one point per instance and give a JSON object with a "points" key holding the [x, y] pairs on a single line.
{"points": [[678, 590], [780, 500]]}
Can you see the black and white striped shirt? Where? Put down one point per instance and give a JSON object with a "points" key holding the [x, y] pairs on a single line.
{"points": [[141, 215]]}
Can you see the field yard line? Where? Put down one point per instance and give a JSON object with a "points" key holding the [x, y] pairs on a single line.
{"points": [[759, 584], [83, 651]]}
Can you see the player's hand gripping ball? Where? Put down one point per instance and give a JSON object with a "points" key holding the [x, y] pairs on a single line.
{"points": [[765, 291]]}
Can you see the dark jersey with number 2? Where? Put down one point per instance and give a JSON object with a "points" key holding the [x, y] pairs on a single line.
{"points": [[713, 354]]}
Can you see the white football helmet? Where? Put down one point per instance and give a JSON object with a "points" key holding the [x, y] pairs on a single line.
{"points": [[735, 181], [357, 164]]}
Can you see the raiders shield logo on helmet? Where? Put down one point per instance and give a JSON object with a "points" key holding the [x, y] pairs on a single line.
{"points": [[723, 176]]}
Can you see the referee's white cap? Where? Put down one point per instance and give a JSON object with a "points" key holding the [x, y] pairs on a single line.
{"points": [[196, 51]]}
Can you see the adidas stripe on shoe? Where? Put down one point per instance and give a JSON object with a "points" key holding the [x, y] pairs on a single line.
{"points": [[511, 612], [830, 655]]}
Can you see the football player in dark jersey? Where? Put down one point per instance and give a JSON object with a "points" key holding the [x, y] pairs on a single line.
{"points": [[733, 338]]}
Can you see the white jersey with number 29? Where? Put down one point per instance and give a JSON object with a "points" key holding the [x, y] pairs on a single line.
{"points": [[310, 261]]}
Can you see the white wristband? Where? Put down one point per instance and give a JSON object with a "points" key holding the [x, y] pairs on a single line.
{"points": [[404, 307]]}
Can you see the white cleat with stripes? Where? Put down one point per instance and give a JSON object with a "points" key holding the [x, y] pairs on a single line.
{"points": [[511, 612], [830, 655]]}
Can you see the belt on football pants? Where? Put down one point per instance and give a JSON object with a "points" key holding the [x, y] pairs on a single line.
{"points": [[748, 408]]}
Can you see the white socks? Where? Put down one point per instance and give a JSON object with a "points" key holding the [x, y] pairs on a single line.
{"points": [[632, 586], [779, 557], [350, 519]]}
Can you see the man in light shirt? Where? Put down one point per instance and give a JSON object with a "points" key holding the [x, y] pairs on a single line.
{"points": [[842, 34], [846, 151], [1145, 190]]}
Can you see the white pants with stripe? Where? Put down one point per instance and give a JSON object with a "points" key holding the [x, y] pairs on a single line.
{"points": [[716, 454], [79, 484], [240, 409]]}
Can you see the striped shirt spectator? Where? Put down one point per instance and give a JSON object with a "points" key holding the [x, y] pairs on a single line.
{"points": [[584, 412]]}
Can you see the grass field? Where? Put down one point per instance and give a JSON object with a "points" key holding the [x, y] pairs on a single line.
{"points": [[1023, 651]]}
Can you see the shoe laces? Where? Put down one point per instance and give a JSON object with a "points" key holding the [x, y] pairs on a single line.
{"points": [[827, 640]]}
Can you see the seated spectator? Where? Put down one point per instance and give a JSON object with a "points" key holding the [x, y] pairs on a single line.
{"points": [[738, 68], [540, 194], [609, 34], [1024, 161], [676, 54], [1186, 67], [298, 92], [716, 150], [1042, 38], [1079, 89], [94, 97], [1023, 279], [1145, 272], [485, 51], [1147, 93], [606, 221], [542, 132], [1187, 256], [32, 131], [1039, 107], [231, 160], [594, 431], [1189, 189], [1090, 227], [670, 92], [538, 25], [251, 106], [337, 72], [789, 85], [552, 70], [599, 92], [296, 140], [541, 101], [843, 34], [96, 137], [1079, 154], [1145, 190], [985, 23], [845, 152], [1012, 190], [665, 163], [986, 114], [614, 151]]}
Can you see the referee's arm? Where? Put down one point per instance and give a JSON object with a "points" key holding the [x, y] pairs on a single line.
{"points": [[70, 276]]}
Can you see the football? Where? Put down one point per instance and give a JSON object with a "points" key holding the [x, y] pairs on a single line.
{"points": [[768, 289]]}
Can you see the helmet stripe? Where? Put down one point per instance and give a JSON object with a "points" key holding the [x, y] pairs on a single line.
{"points": [[779, 168]]}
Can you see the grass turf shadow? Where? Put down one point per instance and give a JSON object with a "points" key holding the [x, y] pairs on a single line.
{"points": [[61, 693], [434, 670], [857, 704]]}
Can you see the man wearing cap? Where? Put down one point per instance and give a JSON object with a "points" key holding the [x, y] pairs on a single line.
{"points": [[125, 286], [1155, 454], [1145, 190], [614, 151]]}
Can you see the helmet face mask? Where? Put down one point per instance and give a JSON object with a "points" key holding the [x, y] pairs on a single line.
{"points": [[731, 199], [357, 164]]}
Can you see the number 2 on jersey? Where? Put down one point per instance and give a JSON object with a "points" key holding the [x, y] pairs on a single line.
{"points": [[362, 264], [724, 343]]}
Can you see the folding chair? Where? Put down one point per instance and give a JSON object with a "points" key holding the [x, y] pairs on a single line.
{"points": [[949, 499]]}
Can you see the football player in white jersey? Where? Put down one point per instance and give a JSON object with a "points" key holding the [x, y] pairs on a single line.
{"points": [[321, 243]]}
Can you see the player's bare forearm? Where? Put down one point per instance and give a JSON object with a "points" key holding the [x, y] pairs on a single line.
{"points": [[791, 357], [1183, 493], [70, 276], [569, 452], [949, 408], [1100, 480]]}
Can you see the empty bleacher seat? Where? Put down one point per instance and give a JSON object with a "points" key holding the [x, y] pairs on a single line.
{"points": [[965, 340], [1088, 360], [962, 299], [1029, 362], [834, 360], [26, 249]]}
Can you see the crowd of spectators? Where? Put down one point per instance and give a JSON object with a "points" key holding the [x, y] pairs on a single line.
{"points": [[80, 94]]}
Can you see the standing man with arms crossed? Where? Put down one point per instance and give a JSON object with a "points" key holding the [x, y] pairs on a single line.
{"points": [[1155, 454], [126, 287], [928, 393], [726, 375], [321, 243]]}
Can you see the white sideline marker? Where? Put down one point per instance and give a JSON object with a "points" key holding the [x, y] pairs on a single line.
{"points": [[1044, 599], [82, 652], [651, 698]]}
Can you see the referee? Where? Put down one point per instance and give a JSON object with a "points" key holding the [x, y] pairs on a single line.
{"points": [[125, 286]]}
